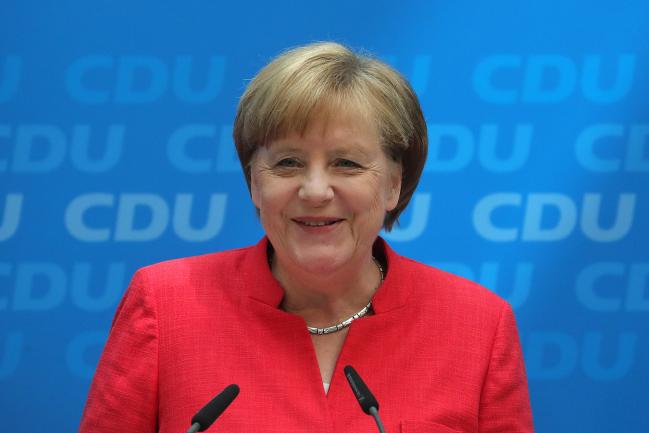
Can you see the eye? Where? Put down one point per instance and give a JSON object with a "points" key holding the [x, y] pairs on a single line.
{"points": [[346, 163], [288, 163]]}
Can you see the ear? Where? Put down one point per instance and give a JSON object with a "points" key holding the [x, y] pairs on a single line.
{"points": [[394, 187]]}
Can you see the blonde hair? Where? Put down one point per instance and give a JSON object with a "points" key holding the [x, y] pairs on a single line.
{"points": [[291, 89]]}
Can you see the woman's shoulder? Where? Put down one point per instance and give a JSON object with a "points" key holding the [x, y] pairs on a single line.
{"points": [[434, 285], [201, 272]]}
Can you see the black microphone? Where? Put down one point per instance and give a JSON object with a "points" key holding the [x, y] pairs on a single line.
{"points": [[364, 396], [212, 410]]}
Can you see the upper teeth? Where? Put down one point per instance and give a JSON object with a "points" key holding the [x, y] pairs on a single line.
{"points": [[315, 223]]}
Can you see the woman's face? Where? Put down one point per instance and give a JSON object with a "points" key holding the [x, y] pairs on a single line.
{"points": [[323, 195]]}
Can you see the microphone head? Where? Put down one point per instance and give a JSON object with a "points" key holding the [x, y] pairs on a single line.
{"points": [[212, 410], [361, 391]]}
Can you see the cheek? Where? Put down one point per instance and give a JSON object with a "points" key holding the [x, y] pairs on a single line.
{"points": [[257, 179], [368, 195], [260, 185], [270, 194]]}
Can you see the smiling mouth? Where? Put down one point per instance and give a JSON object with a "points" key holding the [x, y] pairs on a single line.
{"points": [[322, 223]]}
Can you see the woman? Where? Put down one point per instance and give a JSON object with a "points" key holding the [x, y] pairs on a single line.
{"points": [[332, 145]]}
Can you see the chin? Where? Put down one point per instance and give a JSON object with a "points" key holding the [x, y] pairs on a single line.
{"points": [[319, 259]]}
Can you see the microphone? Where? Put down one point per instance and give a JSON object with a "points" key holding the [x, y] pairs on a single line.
{"points": [[364, 396], [212, 410]]}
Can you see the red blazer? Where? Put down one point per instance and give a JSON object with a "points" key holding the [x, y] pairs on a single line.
{"points": [[441, 354]]}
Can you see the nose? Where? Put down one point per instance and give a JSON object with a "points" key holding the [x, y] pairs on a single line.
{"points": [[316, 187]]}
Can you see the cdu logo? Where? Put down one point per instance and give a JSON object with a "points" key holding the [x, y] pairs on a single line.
{"points": [[452, 147], [549, 79], [103, 79], [189, 141], [612, 147], [160, 215], [45, 148], [557, 355], [531, 213], [614, 286], [44, 286]]}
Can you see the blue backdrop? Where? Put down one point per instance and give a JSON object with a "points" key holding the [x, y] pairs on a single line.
{"points": [[116, 152]]}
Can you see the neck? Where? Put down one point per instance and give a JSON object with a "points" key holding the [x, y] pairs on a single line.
{"points": [[326, 298]]}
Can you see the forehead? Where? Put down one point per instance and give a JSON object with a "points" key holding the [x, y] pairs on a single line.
{"points": [[333, 124], [339, 136]]}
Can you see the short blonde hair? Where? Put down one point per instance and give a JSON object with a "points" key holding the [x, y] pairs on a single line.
{"points": [[291, 89]]}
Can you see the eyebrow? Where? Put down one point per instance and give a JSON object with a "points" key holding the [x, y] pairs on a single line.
{"points": [[284, 148], [353, 151]]}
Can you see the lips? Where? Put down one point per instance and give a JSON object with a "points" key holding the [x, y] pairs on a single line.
{"points": [[316, 222]]}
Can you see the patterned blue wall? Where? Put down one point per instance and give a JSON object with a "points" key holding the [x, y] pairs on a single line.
{"points": [[116, 152]]}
